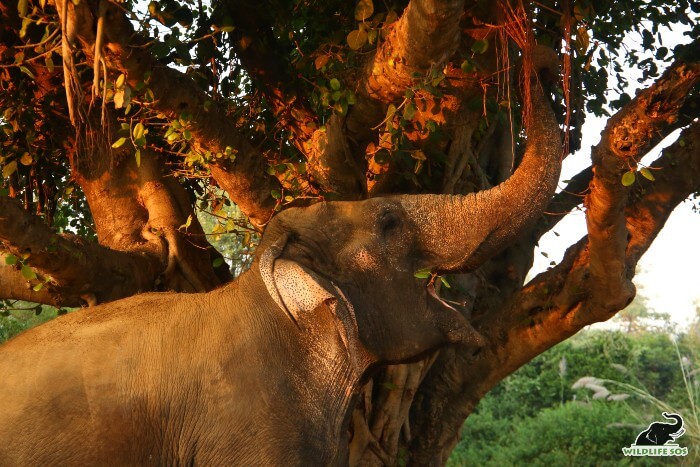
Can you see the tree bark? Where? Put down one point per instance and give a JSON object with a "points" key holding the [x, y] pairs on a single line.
{"points": [[409, 413]]}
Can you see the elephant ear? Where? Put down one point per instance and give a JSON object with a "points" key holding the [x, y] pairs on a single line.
{"points": [[295, 289], [299, 291], [298, 288]]}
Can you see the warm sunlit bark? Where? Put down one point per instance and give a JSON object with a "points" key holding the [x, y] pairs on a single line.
{"points": [[410, 412], [69, 263], [244, 178]]}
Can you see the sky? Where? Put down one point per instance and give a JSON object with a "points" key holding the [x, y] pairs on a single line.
{"points": [[667, 274]]}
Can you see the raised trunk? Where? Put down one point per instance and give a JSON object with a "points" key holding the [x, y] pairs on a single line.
{"points": [[679, 421], [462, 232]]}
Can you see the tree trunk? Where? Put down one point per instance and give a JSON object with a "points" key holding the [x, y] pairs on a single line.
{"points": [[436, 111]]}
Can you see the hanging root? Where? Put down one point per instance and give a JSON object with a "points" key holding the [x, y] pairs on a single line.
{"points": [[70, 73], [99, 60]]}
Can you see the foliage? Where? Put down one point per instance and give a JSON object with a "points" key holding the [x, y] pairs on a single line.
{"points": [[279, 74], [575, 433], [684, 399], [229, 232], [535, 417], [20, 316], [322, 43], [541, 383]]}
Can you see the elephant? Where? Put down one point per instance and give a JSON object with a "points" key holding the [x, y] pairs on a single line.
{"points": [[266, 370], [660, 433]]}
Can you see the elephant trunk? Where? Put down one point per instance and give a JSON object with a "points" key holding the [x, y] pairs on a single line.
{"points": [[678, 420], [460, 233]]}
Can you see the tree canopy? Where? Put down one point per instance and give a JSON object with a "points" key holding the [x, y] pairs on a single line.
{"points": [[128, 127]]}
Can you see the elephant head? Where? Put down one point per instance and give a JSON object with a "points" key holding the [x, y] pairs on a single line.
{"points": [[659, 433], [360, 257]]}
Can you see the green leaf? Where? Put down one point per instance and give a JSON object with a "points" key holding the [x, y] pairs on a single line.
{"points": [[390, 111], [119, 143], [10, 260], [422, 273], [120, 81], [28, 272], [335, 84], [22, 7], [480, 46], [49, 63], [582, 40], [137, 155], [217, 262], [628, 178], [187, 135], [356, 39], [26, 71], [409, 111], [467, 66], [364, 10], [139, 130], [646, 173], [275, 194], [118, 99], [443, 279], [9, 169], [37, 288]]}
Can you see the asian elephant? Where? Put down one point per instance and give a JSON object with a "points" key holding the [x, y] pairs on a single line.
{"points": [[660, 433], [264, 371]]}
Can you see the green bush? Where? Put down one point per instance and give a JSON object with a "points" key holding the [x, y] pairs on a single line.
{"points": [[541, 383], [16, 321], [575, 433], [535, 417]]}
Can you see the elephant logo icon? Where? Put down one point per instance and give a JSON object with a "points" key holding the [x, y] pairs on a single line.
{"points": [[658, 439], [660, 433]]}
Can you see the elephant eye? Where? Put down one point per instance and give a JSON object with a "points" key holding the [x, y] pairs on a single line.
{"points": [[389, 221]]}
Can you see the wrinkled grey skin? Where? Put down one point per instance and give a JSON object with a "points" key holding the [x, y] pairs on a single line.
{"points": [[660, 433], [263, 371], [227, 377]]}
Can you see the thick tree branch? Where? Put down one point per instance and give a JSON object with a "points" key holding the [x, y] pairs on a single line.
{"points": [[330, 162], [627, 137], [677, 174], [244, 178], [552, 307], [426, 35], [563, 202], [14, 286], [256, 48], [74, 267]]}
